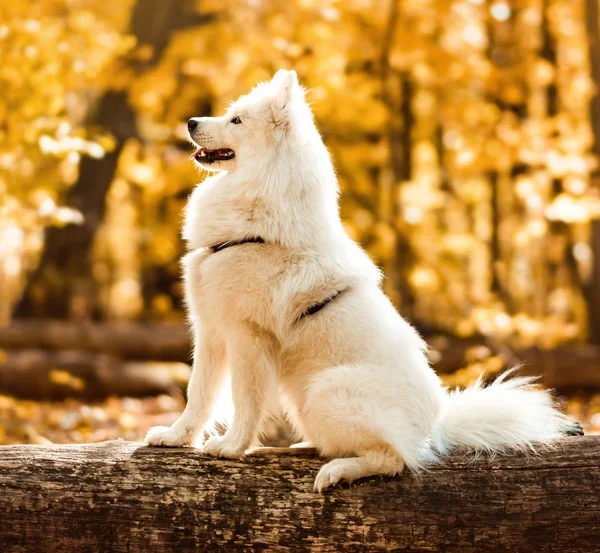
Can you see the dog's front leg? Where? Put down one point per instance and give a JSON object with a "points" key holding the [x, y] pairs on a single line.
{"points": [[253, 377], [207, 377]]}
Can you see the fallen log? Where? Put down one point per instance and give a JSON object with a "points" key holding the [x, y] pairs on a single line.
{"points": [[564, 368], [56, 375], [126, 497], [156, 341]]}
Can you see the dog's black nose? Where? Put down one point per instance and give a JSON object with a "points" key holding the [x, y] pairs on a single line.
{"points": [[192, 124]]}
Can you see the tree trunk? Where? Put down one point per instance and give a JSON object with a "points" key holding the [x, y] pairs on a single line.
{"points": [[125, 497], [593, 286], [63, 284], [397, 95]]}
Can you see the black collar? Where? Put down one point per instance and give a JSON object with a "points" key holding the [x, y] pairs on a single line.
{"points": [[224, 245]]}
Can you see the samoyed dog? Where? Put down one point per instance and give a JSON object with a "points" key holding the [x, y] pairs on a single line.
{"points": [[282, 300]]}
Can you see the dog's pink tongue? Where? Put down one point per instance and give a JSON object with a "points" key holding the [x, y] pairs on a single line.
{"points": [[196, 153]]}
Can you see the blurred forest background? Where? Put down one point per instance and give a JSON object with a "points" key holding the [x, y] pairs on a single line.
{"points": [[465, 133]]}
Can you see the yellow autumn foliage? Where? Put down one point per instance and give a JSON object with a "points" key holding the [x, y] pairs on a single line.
{"points": [[460, 130]]}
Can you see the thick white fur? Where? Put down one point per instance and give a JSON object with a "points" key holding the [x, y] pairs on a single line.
{"points": [[353, 377]]}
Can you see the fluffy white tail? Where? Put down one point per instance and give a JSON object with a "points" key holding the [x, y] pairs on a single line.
{"points": [[507, 415]]}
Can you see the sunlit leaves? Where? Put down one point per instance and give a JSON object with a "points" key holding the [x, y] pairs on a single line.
{"points": [[57, 58], [460, 132]]}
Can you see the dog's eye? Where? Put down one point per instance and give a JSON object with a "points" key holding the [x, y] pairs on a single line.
{"points": [[236, 120]]}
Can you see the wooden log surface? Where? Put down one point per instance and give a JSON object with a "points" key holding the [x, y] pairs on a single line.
{"points": [[55, 375], [125, 497]]}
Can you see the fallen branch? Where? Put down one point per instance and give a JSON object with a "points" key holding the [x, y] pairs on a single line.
{"points": [[159, 342], [118, 496], [564, 368], [48, 375]]}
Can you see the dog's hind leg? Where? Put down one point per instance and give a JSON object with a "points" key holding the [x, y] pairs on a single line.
{"points": [[383, 461], [357, 416]]}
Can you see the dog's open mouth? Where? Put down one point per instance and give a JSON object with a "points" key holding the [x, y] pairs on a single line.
{"points": [[205, 155]]}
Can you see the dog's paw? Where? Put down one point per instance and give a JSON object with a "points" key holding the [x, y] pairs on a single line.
{"points": [[331, 473], [166, 436], [220, 446]]}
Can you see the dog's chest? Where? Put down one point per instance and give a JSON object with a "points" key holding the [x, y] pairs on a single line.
{"points": [[245, 283], [265, 284]]}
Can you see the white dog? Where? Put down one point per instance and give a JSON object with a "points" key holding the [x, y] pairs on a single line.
{"points": [[281, 297]]}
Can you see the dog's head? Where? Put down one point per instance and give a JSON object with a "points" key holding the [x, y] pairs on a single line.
{"points": [[253, 124]]}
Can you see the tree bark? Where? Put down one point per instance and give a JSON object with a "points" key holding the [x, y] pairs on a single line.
{"points": [[125, 497], [47, 375]]}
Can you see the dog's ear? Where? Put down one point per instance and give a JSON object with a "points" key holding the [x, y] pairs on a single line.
{"points": [[286, 85]]}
